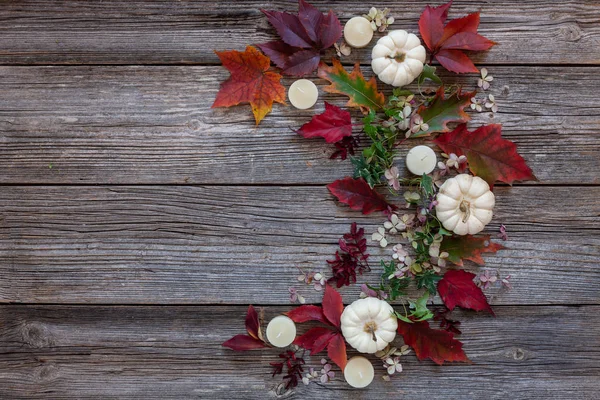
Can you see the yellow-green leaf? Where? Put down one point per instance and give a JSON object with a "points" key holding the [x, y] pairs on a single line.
{"points": [[443, 110]]}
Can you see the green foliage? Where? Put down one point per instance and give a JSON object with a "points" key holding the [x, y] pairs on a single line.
{"points": [[428, 280], [396, 287], [418, 310], [428, 73]]}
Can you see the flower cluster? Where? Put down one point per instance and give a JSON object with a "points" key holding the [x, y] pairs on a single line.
{"points": [[379, 19]]}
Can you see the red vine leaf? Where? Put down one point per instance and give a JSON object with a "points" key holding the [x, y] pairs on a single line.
{"points": [[243, 343], [447, 43], [332, 125], [458, 289], [332, 305], [434, 344], [303, 36], [443, 110], [307, 313], [359, 195], [362, 93], [315, 339], [253, 323], [468, 247], [490, 157], [250, 82], [336, 350]]}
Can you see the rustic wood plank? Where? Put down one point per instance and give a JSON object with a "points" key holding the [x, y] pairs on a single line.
{"points": [[174, 352], [135, 125], [236, 245], [151, 32]]}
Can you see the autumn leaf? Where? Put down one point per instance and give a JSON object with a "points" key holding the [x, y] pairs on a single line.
{"points": [[443, 110], [448, 43], [336, 350], [254, 339], [434, 344], [332, 305], [357, 193], [362, 93], [250, 82], [303, 37], [490, 157], [307, 313], [315, 339], [332, 125], [458, 289], [468, 247]]}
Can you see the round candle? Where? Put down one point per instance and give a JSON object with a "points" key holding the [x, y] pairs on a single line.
{"points": [[359, 372], [303, 94], [421, 160], [281, 331], [358, 32]]}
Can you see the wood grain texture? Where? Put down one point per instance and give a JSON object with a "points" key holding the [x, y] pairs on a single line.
{"points": [[200, 245], [132, 125], [72, 352], [168, 32]]}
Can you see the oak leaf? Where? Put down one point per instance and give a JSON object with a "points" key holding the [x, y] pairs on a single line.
{"points": [[250, 82], [490, 157], [362, 93], [447, 43], [468, 247], [444, 109], [332, 125], [303, 37], [357, 193], [434, 344], [458, 289]]}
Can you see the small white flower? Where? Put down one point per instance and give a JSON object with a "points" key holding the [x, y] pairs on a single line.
{"points": [[393, 365], [394, 225], [491, 103], [476, 104], [342, 49], [484, 81], [418, 124], [379, 236], [399, 253]]}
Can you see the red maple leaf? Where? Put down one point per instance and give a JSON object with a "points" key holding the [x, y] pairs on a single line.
{"points": [[447, 43], [359, 195], [303, 37], [254, 338], [250, 82], [435, 344], [319, 338], [458, 289], [332, 125], [468, 247], [490, 157]]}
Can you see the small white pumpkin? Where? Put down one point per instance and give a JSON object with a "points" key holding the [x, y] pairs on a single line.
{"points": [[398, 58], [369, 324], [464, 204]]}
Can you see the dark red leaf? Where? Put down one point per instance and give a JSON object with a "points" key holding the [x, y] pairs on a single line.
{"points": [[311, 19], [289, 28], [278, 51], [455, 61], [336, 350], [490, 156], [307, 313], [330, 30], [332, 305], [344, 147], [359, 195], [332, 125], [458, 289], [253, 323], [431, 23], [434, 344], [243, 343], [315, 339], [302, 62]]}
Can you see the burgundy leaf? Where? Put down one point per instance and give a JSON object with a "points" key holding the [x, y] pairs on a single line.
{"points": [[243, 343], [336, 350], [307, 313], [252, 323], [278, 52], [332, 125], [289, 28], [435, 344], [302, 62], [330, 30], [332, 305], [315, 339], [311, 19], [458, 289], [359, 195]]}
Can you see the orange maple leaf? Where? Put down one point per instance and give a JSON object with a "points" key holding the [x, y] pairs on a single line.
{"points": [[250, 82]]}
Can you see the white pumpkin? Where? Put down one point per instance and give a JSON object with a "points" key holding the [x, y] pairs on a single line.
{"points": [[398, 58], [369, 324], [464, 204]]}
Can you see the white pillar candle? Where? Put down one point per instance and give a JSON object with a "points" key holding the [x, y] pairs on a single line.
{"points": [[303, 94], [358, 32], [421, 160], [281, 331], [359, 372]]}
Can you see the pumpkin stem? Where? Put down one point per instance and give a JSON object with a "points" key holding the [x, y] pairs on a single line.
{"points": [[399, 57], [465, 207], [371, 327]]}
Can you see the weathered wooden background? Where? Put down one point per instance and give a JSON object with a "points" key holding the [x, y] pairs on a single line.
{"points": [[137, 224]]}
